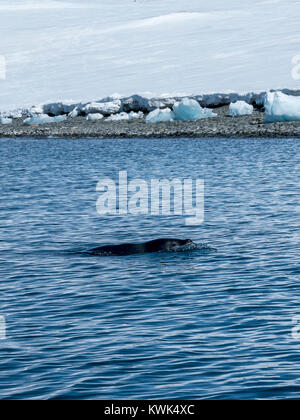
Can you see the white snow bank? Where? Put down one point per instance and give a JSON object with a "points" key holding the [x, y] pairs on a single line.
{"points": [[84, 50], [190, 110], [104, 108], [94, 117], [281, 108], [5, 121], [160, 115], [240, 108], [44, 119]]}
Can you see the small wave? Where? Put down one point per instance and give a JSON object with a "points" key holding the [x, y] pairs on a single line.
{"points": [[205, 247]]}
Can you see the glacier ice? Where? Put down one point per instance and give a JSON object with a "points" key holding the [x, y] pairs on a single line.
{"points": [[44, 119], [17, 113], [160, 115], [126, 117], [104, 108], [94, 117], [136, 103], [281, 108], [59, 108], [35, 110], [5, 121], [118, 117], [38, 119], [136, 115], [59, 118], [74, 113], [190, 110], [240, 108]]}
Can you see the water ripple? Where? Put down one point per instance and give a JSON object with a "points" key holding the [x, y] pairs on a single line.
{"points": [[198, 325]]}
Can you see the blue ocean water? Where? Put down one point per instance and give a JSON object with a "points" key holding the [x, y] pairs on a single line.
{"points": [[191, 325]]}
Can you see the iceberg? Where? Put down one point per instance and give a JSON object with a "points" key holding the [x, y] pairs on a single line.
{"points": [[281, 108], [190, 110], [94, 117], [160, 115], [44, 119], [240, 108], [5, 121]]}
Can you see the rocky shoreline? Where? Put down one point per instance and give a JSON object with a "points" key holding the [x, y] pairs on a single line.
{"points": [[221, 126]]}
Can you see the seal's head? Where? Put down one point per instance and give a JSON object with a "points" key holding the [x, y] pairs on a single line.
{"points": [[176, 245]]}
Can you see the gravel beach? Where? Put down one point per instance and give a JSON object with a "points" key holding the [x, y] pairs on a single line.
{"points": [[221, 126]]}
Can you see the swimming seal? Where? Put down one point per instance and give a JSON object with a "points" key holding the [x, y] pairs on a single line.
{"points": [[158, 245]]}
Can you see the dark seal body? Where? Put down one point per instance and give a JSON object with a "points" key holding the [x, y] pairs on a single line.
{"points": [[158, 245]]}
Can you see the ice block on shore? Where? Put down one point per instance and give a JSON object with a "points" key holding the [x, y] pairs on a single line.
{"points": [[160, 115], [240, 108], [190, 110], [281, 108]]}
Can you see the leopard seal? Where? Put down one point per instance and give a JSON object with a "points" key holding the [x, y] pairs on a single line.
{"points": [[158, 245]]}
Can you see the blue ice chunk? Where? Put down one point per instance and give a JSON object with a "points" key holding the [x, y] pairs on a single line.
{"points": [[190, 110], [281, 108], [160, 115], [44, 119], [5, 121]]}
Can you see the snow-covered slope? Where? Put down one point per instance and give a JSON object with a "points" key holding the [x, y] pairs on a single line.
{"points": [[83, 50]]}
